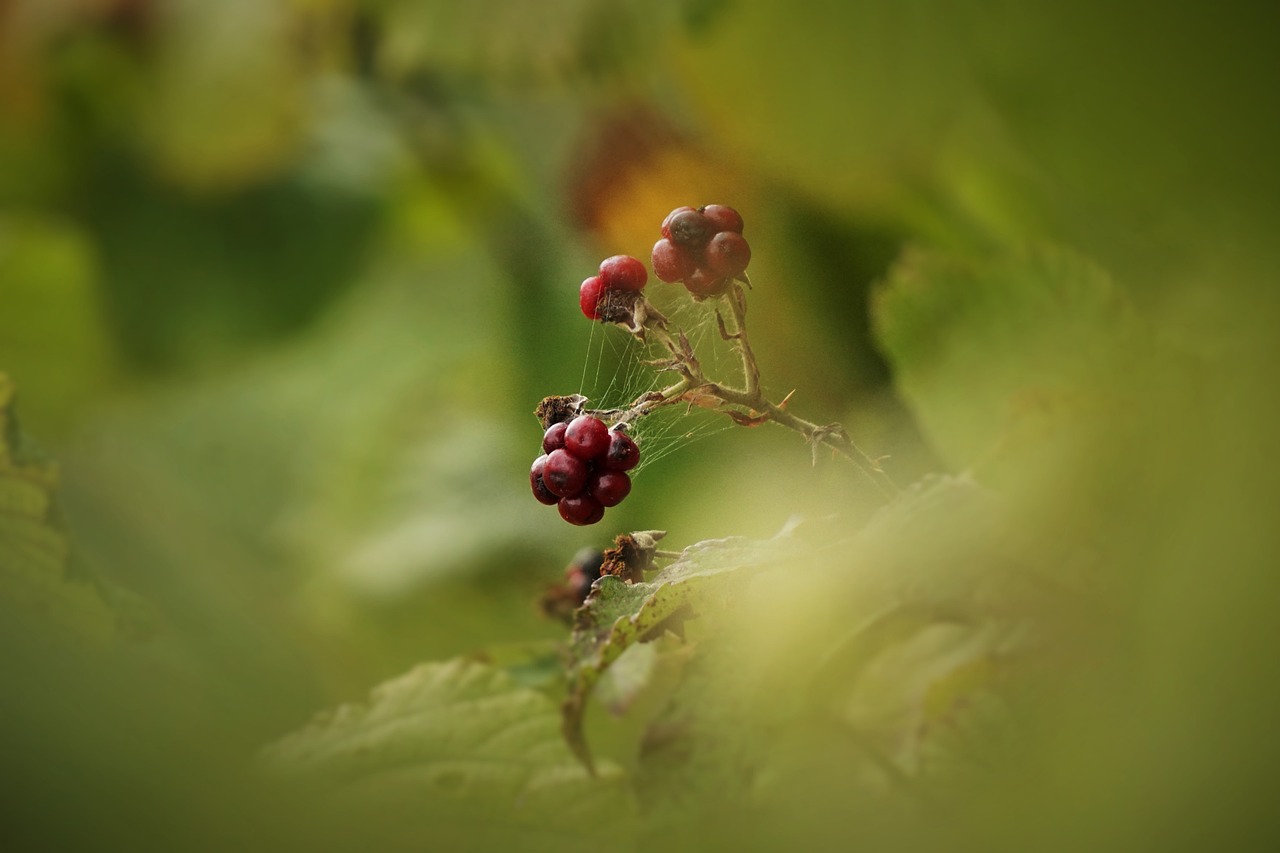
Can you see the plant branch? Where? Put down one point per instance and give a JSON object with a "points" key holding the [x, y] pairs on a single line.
{"points": [[746, 405]]}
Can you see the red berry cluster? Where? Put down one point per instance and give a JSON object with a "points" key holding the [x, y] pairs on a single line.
{"points": [[583, 468], [703, 248], [609, 295]]}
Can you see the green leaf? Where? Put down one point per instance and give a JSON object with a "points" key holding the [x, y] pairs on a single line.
{"points": [[869, 657], [992, 355], [35, 557], [618, 615], [455, 752]]}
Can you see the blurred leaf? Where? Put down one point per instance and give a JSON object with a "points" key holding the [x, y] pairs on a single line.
{"points": [[224, 272], [459, 753], [35, 580], [512, 43], [53, 332], [858, 677], [229, 66], [847, 101], [980, 349], [617, 615], [357, 485]]}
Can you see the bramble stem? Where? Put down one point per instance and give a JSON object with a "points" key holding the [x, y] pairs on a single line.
{"points": [[746, 405]]}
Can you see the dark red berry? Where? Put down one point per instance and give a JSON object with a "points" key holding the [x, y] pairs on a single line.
{"points": [[666, 223], [689, 228], [540, 490], [589, 295], [705, 283], [586, 438], [672, 263], [553, 438], [609, 487], [623, 454], [623, 272], [723, 218], [581, 509], [563, 473], [728, 254]]}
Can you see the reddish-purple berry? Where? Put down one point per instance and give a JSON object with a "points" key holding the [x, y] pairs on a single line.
{"points": [[666, 223], [563, 473], [589, 295], [728, 254], [688, 228], [540, 490], [553, 438], [580, 509], [705, 283], [623, 454], [723, 218], [609, 487], [586, 438], [623, 272], [672, 263]]}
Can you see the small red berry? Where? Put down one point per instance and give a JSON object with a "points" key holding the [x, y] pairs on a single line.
{"points": [[689, 228], [723, 218], [586, 437], [581, 509], [705, 283], [609, 487], [553, 438], [623, 454], [540, 490], [623, 272], [672, 263], [563, 473], [728, 254], [589, 295], [666, 223]]}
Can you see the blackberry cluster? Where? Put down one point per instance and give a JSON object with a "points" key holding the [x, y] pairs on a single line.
{"points": [[703, 249], [609, 295], [583, 468]]}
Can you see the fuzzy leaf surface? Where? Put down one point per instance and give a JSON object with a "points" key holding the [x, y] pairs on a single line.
{"points": [[618, 615], [993, 355], [454, 752], [35, 557]]}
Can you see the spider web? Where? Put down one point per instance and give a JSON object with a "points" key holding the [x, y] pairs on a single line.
{"points": [[617, 370]]}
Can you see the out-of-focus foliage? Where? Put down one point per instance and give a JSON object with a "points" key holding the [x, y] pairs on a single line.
{"points": [[37, 582], [453, 753], [281, 283]]}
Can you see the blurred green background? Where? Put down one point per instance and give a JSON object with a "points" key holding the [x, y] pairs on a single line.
{"points": [[281, 282]]}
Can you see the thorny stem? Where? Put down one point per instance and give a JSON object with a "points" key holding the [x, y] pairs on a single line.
{"points": [[746, 405]]}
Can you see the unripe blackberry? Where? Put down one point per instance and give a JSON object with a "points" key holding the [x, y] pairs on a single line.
{"points": [[672, 263], [609, 487], [723, 218], [586, 437], [580, 509], [666, 223], [728, 254], [704, 283], [553, 438], [623, 454], [589, 296], [563, 473], [540, 490], [623, 272], [688, 228]]}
